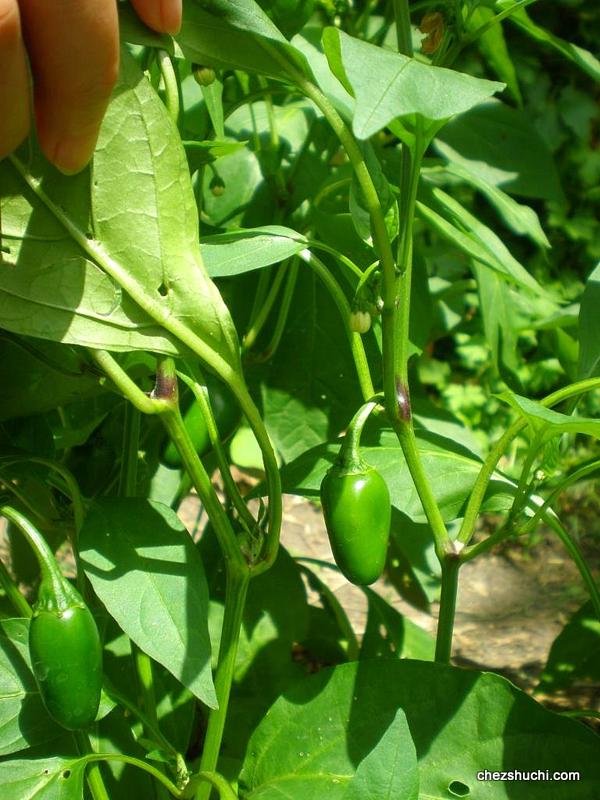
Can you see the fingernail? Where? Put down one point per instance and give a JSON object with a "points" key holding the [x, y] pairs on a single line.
{"points": [[170, 14], [73, 153]]}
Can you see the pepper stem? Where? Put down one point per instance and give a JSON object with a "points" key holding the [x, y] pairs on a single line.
{"points": [[55, 591], [349, 456]]}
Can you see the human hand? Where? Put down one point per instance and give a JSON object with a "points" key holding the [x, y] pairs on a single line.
{"points": [[73, 51]]}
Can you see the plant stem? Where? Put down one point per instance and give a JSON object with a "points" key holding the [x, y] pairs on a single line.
{"points": [[227, 541], [265, 309], [198, 386], [403, 29], [129, 452], [350, 450], [135, 762], [444, 546], [235, 599], [339, 298], [282, 316], [12, 592], [489, 465], [411, 174], [443, 644], [48, 565], [93, 775], [171, 84]]}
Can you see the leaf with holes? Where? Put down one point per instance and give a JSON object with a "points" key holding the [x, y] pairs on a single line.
{"points": [[42, 778]]}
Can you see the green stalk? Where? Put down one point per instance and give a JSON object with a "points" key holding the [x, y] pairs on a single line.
{"points": [[135, 762], [235, 599], [412, 171], [489, 465], [403, 28], [173, 422], [443, 643], [51, 574], [444, 546], [339, 298], [198, 386], [12, 592], [349, 455], [265, 309], [129, 458], [93, 775], [171, 84], [284, 310]]}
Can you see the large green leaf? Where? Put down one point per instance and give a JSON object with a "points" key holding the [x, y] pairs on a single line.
{"points": [[239, 36], [462, 722], [451, 473], [331, 744], [110, 258], [388, 85], [502, 146], [24, 722], [144, 567]]}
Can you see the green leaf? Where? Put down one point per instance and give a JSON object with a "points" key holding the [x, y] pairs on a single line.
{"points": [[89, 253], [575, 653], [330, 744], [461, 723], [500, 323], [389, 85], [387, 770], [24, 721], [549, 422], [451, 474], [493, 47], [577, 55], [476, 239], [42, 376], [144, 567], [237, 35], [42, 778], [502, 145], [247, 249], [522, 219], [589, 327], [201, 153]]}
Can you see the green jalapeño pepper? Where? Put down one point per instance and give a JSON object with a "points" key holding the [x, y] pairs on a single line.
{"points": [[64, 644], [227, 416], [357, 510]]}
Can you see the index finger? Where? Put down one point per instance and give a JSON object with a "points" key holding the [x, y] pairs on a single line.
{"points": [[14, 82], [73, 47]]}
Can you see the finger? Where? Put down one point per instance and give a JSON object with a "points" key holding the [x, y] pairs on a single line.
{"points": [[73, 47], [163, 16], [14, 81]]}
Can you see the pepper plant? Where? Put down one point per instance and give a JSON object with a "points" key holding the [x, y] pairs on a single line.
{"points": [[294, 212]]}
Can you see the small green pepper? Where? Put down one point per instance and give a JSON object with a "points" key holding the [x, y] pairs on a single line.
{"points": [[64, 643], [357, 509], [66, 657]]}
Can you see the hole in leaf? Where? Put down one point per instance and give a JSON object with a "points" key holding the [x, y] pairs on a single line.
{"points": [[163, 290], [66, 773], [459, 789]]}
